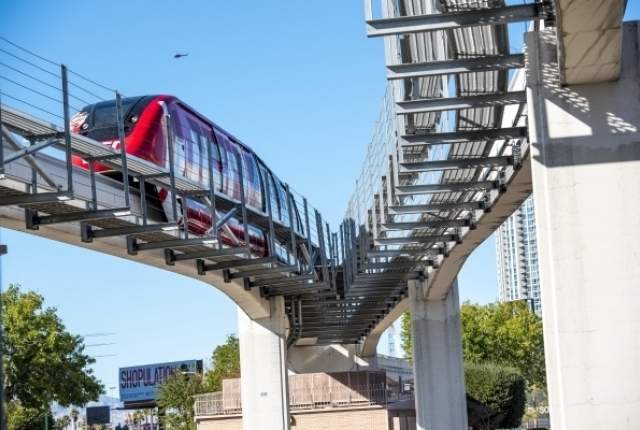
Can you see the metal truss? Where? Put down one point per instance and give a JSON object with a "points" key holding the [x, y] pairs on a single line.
{"points": [[449, 138], [306, 263]]}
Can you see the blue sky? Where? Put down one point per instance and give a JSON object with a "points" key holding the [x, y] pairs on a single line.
{"points": [[302, 86]]}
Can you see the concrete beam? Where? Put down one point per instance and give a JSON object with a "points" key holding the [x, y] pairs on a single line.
{"points": [[586, 176], [590, 40], [264, 387], [437, 360]]}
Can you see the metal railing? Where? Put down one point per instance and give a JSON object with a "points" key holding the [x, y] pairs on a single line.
{"points": [[302, 399], [41, 110]]}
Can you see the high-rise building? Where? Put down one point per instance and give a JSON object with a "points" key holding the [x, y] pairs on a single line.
{"points": [[390, 341], [517, 258]]}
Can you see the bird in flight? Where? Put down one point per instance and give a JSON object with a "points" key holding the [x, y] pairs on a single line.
{"points": [[179, 55]]}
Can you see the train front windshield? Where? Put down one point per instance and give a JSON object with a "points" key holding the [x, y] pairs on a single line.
{"points": [[99, 121]]}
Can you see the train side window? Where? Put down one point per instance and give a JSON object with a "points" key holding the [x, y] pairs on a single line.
{"points": [[273, 192], [179, 141], [231, 173], [252, 185], [224, 162], [284, 204], [216, 160], [301, 225]]}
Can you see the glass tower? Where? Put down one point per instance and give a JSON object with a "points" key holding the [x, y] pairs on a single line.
{"points": [[517, 258]]}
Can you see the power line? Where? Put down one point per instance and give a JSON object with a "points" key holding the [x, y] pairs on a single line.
{"points": [[4, 94], [55, 64], [29, 52], [91, 81], [30, 63], [98, 334]]}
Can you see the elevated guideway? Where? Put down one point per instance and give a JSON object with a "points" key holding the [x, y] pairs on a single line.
{"points": [[448, 163], [42, 192]]}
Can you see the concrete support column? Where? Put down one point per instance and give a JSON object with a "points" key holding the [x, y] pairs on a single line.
{"points": [[265, 403], [437, 360], [586, 181]]}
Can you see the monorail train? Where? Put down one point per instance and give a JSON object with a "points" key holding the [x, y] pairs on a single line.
{"points": [[146, 137]]}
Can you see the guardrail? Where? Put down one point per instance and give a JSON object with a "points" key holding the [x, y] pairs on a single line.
{"points": [[217, 404]]}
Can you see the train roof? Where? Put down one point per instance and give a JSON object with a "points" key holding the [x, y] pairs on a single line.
{"points": [[168, 97]]}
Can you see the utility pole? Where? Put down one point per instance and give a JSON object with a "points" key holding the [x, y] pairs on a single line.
{"points": [[3, 417]]}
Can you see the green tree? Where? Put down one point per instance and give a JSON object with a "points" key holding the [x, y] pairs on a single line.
{"points": [[63, 422], [43, 361], [23, 418], [506, 333], [225, 363], [406, 341], [509, 334], [176, 397], [496, 394]]}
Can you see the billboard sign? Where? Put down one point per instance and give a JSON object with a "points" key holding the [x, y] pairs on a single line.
{"points": [[141, 383], [98, 415]]}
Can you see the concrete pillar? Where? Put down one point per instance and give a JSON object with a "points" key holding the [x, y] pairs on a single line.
{"points": [[437, 360], [265, 403], [586, 181]]}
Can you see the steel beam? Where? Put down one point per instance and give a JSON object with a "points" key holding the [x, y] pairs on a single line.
{"points": [[437, 207], [453, 137], [460, 163], [28, 150], [89, 233], [453, 20], [171, 257], [204, 267], [262, 271], [426, 224], [291, 280], [417, 239], [409, 190], [296, 290], [400, 252], [346, 302], [30, 199], [448, 67], [345, 311], [6, 137], [317, 331], [397, 265], [133, 245], [457, 103], [34, 219]]}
